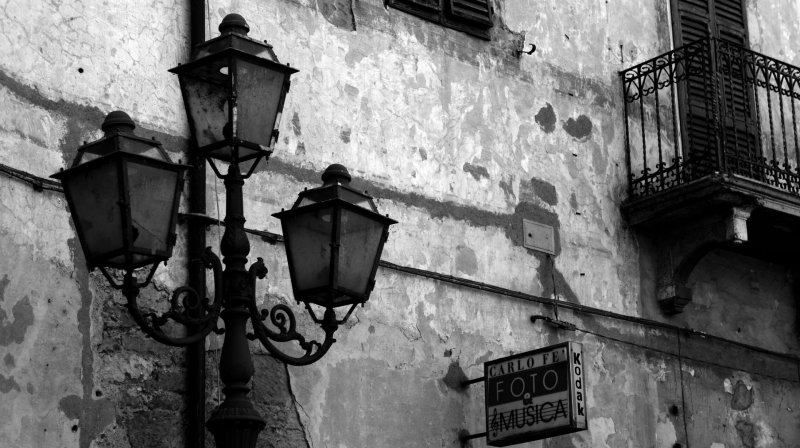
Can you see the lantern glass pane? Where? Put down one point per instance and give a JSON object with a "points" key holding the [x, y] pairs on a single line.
{"points": [[308, 242], [97, 149], [357, 199], [259, 90], [207, 103], [360, 239], [152, 198], [140, 147], [94, 196]]}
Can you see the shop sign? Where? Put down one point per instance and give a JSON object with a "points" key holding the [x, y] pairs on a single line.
{"points": [[535, 395]]}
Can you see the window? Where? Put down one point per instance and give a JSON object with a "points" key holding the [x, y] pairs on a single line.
{"points": [[470, 16]]}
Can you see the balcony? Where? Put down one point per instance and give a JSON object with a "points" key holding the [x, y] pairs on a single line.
{"points": [[713, 153]]}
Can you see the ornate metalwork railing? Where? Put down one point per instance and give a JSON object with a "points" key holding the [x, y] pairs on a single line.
{"points": [[711, 107]]}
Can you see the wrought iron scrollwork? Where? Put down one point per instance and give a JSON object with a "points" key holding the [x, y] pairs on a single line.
{"points": [[282, 318], [187, 307]]}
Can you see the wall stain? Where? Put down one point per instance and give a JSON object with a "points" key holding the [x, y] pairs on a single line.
{"points": [[580, 128], [476, 171], [742, 397], [94, 415], [345, 135], [300, 150], [746, 433], [508, 190], [544, 191], [454, 377], [338, 13], [8, 384], [3, 285], [295, 125], [546, 118], [14, 331], [573, 202], [9, 361], [466, 260]]}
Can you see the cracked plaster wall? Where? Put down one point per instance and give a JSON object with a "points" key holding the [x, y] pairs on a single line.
{"points": [[459, 140]]}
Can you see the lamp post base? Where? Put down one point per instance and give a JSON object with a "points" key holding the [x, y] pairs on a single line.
{"points": [[235, 427]]}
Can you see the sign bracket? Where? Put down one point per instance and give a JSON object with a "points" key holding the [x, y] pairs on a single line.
{"points": [[464, 436]]}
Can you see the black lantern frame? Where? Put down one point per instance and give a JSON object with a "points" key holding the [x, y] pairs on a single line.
{"points": [[337, 202], [106, 169], [233, 118]]}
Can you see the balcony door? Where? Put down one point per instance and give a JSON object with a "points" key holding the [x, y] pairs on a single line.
{"points": [[717, 103]]}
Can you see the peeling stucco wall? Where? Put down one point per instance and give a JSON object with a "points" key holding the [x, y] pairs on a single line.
{"points": [[459, 139]]}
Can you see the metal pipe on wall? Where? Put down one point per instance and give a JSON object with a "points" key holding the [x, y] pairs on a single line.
{"points": [[196, 242]]}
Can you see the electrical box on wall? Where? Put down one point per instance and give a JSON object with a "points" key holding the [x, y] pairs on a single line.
{"points": [[538, 236]]}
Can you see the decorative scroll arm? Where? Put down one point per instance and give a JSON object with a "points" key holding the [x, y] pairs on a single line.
{"points": [[282, 317], [184, 305]]}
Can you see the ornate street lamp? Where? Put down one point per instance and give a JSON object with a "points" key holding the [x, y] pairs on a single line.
{"points": [[123, 194]]}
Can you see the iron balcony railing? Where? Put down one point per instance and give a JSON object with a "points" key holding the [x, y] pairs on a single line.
{"points": [[711, 107]]}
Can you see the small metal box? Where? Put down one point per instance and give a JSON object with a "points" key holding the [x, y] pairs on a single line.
{"points": [[538, 236]]}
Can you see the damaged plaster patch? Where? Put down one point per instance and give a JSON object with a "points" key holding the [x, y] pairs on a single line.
{"points": [[746, 433], [338, 13], [14, 331], [466, 260], [476, 171], [455, 377], [544, 191], [8, 384], [546, 118], [742, 397], [345, 135], [573, 202], [580, 128], [508, 190], [296, 128]]}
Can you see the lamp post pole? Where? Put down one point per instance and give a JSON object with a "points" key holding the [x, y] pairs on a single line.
{"points": [[235, 423]]}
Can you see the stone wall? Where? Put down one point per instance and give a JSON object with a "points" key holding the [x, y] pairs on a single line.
{"points": [[459, 139]]}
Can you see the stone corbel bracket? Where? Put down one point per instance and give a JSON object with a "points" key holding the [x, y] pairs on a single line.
{"points": [[682, 247]]}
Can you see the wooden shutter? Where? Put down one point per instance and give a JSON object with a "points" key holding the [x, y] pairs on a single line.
{"points": [[427, 9], [477, 12], [691, 20], [724, 20], [470, 16], [730, 22]]}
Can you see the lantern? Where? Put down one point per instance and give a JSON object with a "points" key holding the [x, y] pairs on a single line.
{"points": [[123, 193], [233, 90], [334, 237]]}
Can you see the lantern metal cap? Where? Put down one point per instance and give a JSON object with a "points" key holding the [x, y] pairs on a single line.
{"points": [[117, 121], [235, 24], [336, 174]]}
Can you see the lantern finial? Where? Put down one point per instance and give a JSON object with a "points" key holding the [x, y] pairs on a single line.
{"points": [[234, 23], [336, 174], [117, 121]]}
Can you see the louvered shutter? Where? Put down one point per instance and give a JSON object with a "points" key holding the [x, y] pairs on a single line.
{"points": [[735, 84], [692, 22], [427, 9], [470, 16], [477, 12], [724, 20]]}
